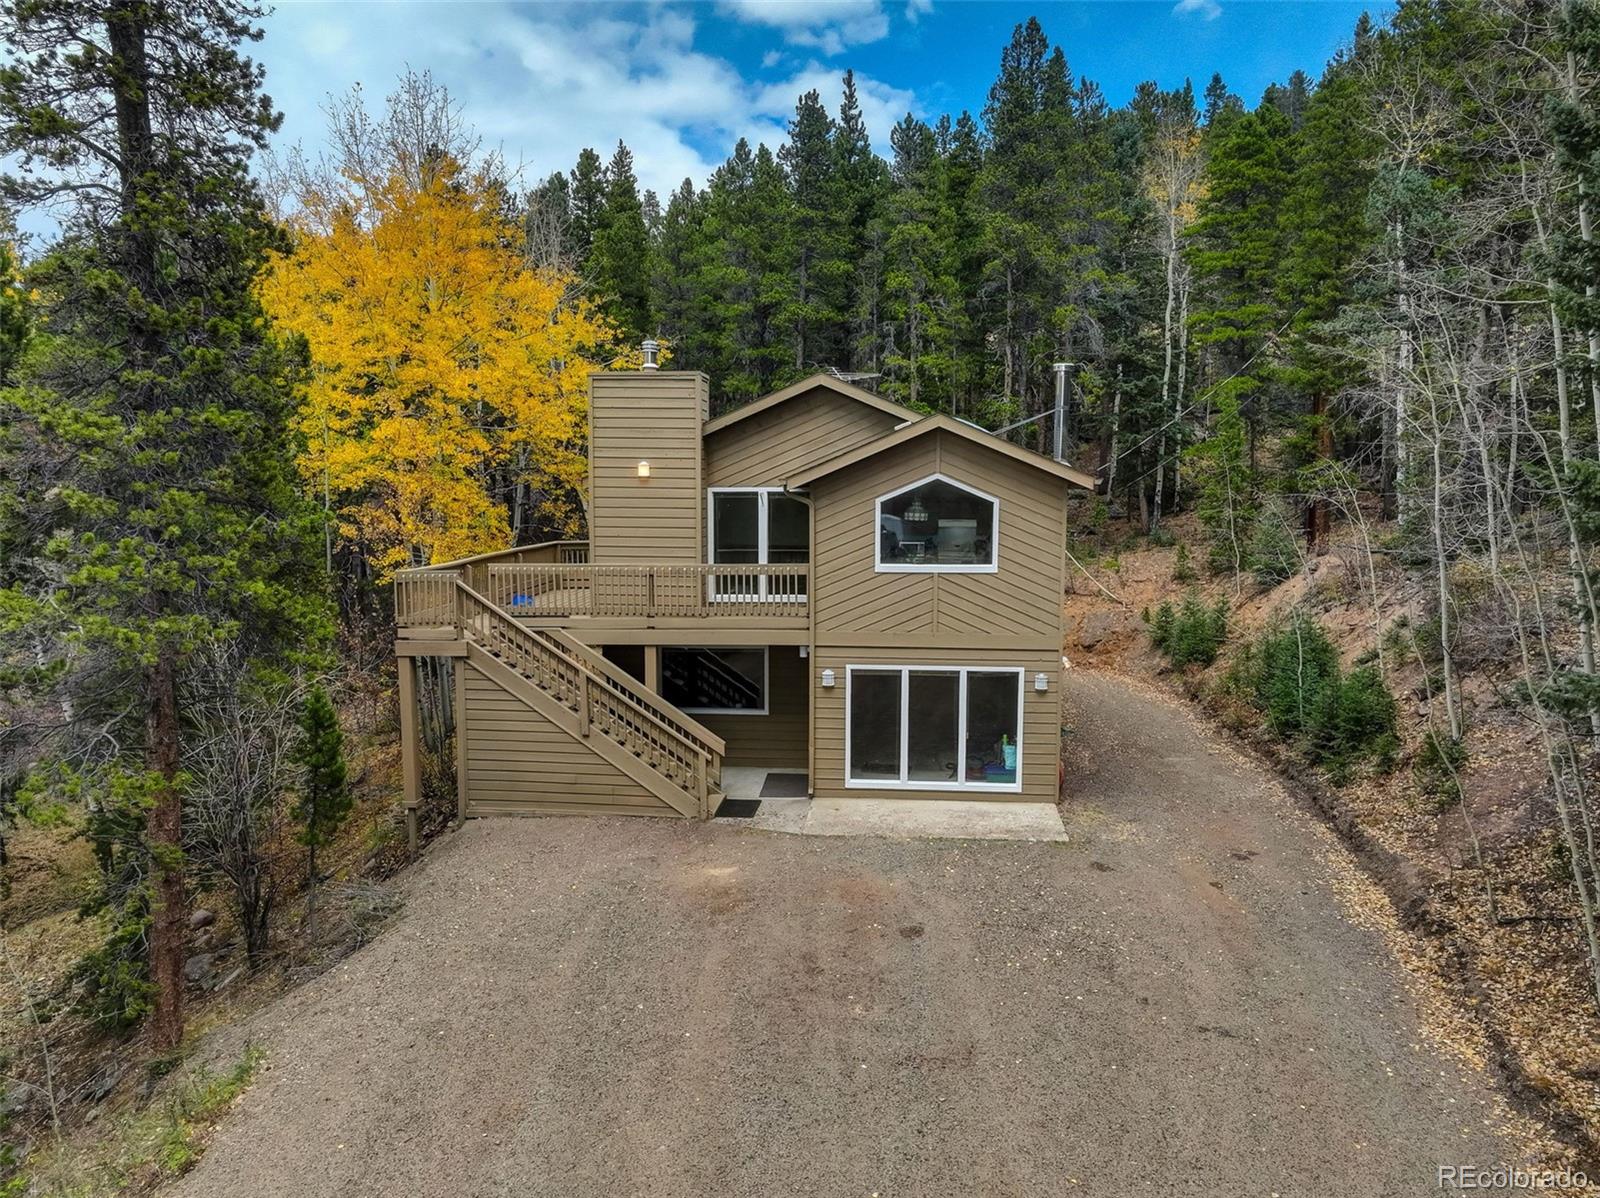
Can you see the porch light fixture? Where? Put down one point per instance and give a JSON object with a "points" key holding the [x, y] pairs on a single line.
{"points": [[644, 469], [1041, 683], [827, 678]]}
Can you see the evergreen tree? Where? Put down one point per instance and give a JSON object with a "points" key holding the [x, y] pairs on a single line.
{"points": [[1324, 227], [1220, 100], [1574, 120], [323, 799], [1023, 195], [814, 314], [619, 259], [149, 443], [921, 296], [863, 186], [674, 283], [588, 202], [1236, 249]]}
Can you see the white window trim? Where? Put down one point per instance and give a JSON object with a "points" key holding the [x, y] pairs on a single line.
{"points": [[903, 783], [883, 567], [766, 683], [761, 542]]}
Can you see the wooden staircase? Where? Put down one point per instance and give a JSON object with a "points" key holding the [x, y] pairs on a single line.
{"points": [[573, 687]]}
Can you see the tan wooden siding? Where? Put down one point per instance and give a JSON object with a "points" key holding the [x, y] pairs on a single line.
{"points": [[518, 762], [1019, 604], [653, 417], [779, 737], [767, 448], [1041, 719]]}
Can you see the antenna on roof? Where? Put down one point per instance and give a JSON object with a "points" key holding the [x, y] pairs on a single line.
{"points": [[853, 376]]}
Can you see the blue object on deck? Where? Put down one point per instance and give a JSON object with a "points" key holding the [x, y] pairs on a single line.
{"points": [[522, 601]]}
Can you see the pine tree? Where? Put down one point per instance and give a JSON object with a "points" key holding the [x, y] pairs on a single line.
{"points": [[1236, 249], [149, 440], [619, 260], [1023, 195], [323, 798], [673, 293], [863, 186], [588, 202], [922, 301], [1324, 226], [814, 314]]}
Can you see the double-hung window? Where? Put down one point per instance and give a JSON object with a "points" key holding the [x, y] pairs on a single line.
{"points": [[758, 526], [933, 727]]}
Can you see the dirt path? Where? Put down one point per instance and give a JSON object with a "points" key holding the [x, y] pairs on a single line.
{"points": [[1173, 1003]]}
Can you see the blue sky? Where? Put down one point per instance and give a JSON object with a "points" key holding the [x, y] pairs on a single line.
{"points": [[680, 82]]}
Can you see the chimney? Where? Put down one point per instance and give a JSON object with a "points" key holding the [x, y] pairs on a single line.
{"points": [[647, 496], [650, 347]]}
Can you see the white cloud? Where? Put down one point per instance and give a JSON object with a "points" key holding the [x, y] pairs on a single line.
{"points": [[917, 9], [824, 25], [541, 83], [1208, 10]]}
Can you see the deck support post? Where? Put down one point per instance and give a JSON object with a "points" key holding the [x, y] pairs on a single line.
{"points": [[410, 749], [460, 681], [652, 668]]}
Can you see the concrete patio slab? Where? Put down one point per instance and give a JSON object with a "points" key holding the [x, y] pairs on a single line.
{"points": [[934, 819]]}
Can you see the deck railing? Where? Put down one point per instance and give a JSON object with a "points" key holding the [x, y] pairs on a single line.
{"points": [[426, 597], [649, 592]]}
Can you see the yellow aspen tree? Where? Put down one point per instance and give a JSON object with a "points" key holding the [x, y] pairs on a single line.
{"points": [[444, 367]]}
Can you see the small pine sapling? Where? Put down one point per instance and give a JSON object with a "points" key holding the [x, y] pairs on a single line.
{"points": [[324, 798]]}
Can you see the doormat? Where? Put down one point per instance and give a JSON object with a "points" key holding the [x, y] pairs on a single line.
{"points": [[738, 808], [784, 786]]}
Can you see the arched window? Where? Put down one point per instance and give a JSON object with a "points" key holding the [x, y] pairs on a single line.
{"points": [[937, 524]]}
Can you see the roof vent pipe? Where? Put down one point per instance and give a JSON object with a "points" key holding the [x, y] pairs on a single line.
{"points": [[650, 347]]}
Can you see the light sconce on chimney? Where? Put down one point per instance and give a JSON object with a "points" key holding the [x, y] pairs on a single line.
{"points": [[827, 677], [1041, 683], [644, 469]]}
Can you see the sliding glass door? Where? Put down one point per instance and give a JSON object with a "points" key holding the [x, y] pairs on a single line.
{"points": [[933, 727]]}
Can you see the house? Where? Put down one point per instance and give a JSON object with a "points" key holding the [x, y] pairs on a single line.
{"points": [[820, 592]]}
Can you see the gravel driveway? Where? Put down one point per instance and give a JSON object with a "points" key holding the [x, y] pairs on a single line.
{"points": [[1172, 1003]]}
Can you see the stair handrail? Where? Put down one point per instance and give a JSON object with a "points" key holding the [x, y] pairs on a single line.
{"points": [[628, 684], [693, 744]]}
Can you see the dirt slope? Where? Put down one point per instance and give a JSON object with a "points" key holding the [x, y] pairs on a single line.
{"points": [[1176, 1002]]}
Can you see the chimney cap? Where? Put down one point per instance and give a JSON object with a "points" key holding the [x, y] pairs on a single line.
{"points": [[650, 347]]}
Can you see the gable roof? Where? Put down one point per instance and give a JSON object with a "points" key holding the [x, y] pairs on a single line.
{"points": [[921, 426], [804, 385]]}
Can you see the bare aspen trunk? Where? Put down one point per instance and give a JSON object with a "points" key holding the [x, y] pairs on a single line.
{"points": [[1167, 334], [1402, 374], [1183, 375], [1442, 574], [1116, 430]]}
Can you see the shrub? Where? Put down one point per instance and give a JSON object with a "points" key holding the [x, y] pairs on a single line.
{"points": [[1336, 718], [1438, 767], [1272, 554], [1182, 567], [1191, 634]]}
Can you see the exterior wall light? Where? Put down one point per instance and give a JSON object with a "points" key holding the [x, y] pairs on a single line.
{"points": [[827, 677], [1041, 683], [644, 469]]}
